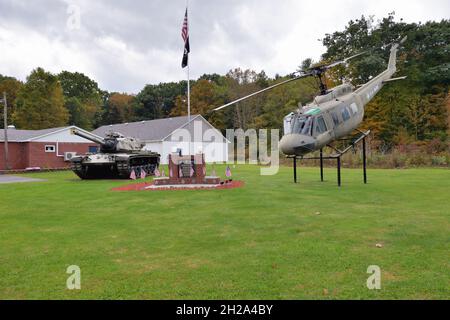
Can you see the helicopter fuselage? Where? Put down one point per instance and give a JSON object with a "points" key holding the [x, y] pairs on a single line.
{"points": [[321, 122], [331, 116]]}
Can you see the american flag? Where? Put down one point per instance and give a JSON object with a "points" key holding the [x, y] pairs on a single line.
{"points": [[157, 173], [143, 173], [133, 175], [185, 36], [228, 172], [184, 30]]}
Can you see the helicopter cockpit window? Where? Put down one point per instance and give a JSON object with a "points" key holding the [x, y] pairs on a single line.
{"points": [[321, 126], [302, 125]]}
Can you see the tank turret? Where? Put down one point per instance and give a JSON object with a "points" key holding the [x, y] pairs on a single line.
{"points": [[118, 157], [114, 142]]}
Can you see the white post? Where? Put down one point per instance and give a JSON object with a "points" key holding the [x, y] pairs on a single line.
{"points": [[188, 79], [188, 95]]}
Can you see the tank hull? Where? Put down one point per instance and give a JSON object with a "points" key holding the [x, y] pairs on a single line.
{"points": [[114, 166]]}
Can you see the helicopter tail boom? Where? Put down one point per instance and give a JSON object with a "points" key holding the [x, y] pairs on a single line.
{"points": [[367, 91], [393, 56]]}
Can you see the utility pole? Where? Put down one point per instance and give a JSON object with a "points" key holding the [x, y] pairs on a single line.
{"points": [[5, 121]]}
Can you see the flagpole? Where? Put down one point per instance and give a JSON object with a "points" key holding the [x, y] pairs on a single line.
{"points": [[188, 79]]}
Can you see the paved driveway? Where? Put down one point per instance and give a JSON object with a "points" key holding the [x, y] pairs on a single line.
{"points": [[16, 179]]}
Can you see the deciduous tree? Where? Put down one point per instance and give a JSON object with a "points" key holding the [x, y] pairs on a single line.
{"points": [[40, 102], [82, 98], [11, 87], [120, 108]]}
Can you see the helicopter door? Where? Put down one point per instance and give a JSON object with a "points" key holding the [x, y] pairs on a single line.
{"points": [[321, 132]]}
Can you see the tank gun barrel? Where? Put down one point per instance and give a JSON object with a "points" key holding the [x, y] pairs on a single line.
{"points": [[88, 136]]}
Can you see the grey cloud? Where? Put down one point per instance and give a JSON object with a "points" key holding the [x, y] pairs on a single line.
{"points": [[126, 44]]}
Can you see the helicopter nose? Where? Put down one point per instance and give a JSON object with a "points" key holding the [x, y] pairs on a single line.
{"points": [[297, 144]]}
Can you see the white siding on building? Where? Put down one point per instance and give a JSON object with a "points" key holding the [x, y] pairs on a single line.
{"points": [[205, 139]]}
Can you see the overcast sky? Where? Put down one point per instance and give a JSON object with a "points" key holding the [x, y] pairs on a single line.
{"points": [[124, 45]]}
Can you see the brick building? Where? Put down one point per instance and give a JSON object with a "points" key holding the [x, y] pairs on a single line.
{"points": [[44, 149]]}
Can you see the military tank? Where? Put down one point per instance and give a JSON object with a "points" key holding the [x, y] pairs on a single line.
{"points": [[117, 158]]}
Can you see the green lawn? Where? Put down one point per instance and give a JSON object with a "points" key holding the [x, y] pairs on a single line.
{"points": [[264, 241]]}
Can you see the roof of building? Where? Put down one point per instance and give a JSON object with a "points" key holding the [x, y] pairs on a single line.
{"points": [[16, 135], [149, 130], [23, 135]]}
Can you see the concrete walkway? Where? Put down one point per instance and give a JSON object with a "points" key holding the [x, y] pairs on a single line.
{"points": [[16, 179]]}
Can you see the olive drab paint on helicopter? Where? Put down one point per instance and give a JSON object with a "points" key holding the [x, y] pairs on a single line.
{"points": [[333, 114], [342, 111]]}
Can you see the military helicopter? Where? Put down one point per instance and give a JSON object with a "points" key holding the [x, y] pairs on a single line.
{"points": [[333, 114]]}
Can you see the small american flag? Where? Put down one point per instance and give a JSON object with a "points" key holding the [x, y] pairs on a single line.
{"points": [[192, 171], [157, 173], [185, 36], [133, 175], [143, 174], [228, 172]]}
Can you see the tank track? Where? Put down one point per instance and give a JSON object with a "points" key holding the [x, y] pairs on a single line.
{"points": [[121, 169], [137, 163]]}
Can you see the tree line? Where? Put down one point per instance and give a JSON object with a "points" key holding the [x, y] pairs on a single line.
{"points": [[413, 111]]}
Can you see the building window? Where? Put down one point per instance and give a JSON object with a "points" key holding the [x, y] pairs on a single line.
{"points": [[50, 148]]}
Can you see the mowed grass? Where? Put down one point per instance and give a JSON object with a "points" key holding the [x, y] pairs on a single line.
{"points": [[263, 241]]}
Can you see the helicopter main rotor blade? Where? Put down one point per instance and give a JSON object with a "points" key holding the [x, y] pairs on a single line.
{"points": [[263, 90], [322, 68], [343, 60]]}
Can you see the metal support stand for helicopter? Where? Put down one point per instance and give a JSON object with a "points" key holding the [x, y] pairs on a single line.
{"points": [[353, 141]]}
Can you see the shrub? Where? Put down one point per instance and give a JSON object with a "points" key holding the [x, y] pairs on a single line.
{"points": [[439, 160]]}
